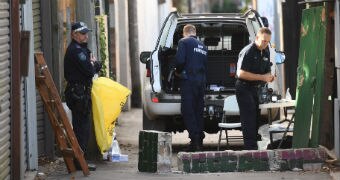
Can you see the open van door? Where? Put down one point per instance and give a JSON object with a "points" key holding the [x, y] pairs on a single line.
{"points": [[254, 22], [165, 40]]}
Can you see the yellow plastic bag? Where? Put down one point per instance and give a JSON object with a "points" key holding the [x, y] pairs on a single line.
{"points": [[108, 98]]}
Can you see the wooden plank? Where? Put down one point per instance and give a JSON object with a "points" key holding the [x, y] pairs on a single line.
{"points": [[319, 64], [326, 137], [311, 78], [303, 93], [16, 139], [306, 79]]}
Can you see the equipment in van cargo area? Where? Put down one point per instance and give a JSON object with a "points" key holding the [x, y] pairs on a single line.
{"points": [[225, 35], [224, 46]]}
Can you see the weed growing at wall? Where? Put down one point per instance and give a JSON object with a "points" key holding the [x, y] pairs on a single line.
{"points": [[103, 53]]}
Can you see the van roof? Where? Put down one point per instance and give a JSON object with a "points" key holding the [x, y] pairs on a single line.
{"points": [[196, 17]]}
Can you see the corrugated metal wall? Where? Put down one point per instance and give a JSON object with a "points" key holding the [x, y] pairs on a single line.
{"points": [[40, 107], [5, 135], [23, 123]]}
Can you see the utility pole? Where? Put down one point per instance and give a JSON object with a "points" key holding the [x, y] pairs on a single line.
{"points": [[254, 4], [134, 54], [189, 6], [85, 12]]}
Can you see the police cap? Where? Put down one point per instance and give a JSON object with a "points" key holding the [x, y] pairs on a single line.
{"points": [[80, 27]]}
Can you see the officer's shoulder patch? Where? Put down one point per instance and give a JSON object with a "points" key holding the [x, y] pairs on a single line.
{"points": [[78, 46], [82, 56]]}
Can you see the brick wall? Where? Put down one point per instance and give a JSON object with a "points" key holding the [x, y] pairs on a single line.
{"points": [[238, 161]]}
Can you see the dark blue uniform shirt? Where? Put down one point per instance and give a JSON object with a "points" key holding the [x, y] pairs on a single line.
{"points": [[191, 59], [77, 64], [251, 59]]}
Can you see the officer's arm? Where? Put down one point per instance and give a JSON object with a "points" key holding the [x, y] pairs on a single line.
{"points": [[97, 66], [255, 77], [83, 63], [268, 64], [245, 74], [180, 57]]}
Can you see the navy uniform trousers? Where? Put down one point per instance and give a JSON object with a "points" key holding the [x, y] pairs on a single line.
{"points": [[81, 126], [79, 101], [247, 99], [192, 93]]}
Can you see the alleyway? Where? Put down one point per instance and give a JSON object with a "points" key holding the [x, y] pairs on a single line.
{"points": [[127, 134]]}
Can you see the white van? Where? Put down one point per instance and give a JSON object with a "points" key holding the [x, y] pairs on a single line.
{"points": [[224, 35]]}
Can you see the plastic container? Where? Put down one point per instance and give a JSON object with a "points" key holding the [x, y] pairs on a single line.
{"points": [[115, 158], [124, 158], [115, 147], [114, 153], [288, 96]]}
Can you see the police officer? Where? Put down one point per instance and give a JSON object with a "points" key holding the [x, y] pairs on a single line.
{"points": [[79, 68], [191, 59], [253, 69]]}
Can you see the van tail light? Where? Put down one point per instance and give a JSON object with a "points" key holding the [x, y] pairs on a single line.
{"points": [[155, 100], [232, 69], [148, 73]]}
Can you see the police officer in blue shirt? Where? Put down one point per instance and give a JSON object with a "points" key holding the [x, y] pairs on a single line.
{"points": [[191, 60], [253, 69], [79, 68]]}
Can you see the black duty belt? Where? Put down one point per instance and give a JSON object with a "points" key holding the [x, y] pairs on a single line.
{"points": [[247, 83], [194, 72], [85, 86]]}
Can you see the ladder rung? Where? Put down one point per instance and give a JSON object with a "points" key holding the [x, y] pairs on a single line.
{"points": [[67, 152], [51, 101], [41, 77]]}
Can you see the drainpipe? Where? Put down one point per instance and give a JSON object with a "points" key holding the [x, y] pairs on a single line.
{"points": [[337, 68], [134, 55], [189, 6], [254, 2], [15, 91]]}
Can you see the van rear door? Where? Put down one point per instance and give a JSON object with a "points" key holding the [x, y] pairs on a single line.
{"points": [[253, 22], [165, 40]]}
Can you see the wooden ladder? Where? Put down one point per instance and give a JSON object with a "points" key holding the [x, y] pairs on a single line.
{"points": [[66, 139]]}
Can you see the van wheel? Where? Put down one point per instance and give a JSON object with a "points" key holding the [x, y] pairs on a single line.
{"points": [[156, 124]]}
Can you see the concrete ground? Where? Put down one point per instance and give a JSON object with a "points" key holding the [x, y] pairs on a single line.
{"points": [[128, 127]]}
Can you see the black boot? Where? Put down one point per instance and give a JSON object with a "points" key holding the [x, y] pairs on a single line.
{"points": [[198, 145], [195, 145], [190, 148], [92, 167]]}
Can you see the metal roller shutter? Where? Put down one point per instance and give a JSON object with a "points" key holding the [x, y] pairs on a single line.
{"points": [[5, 135]]}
